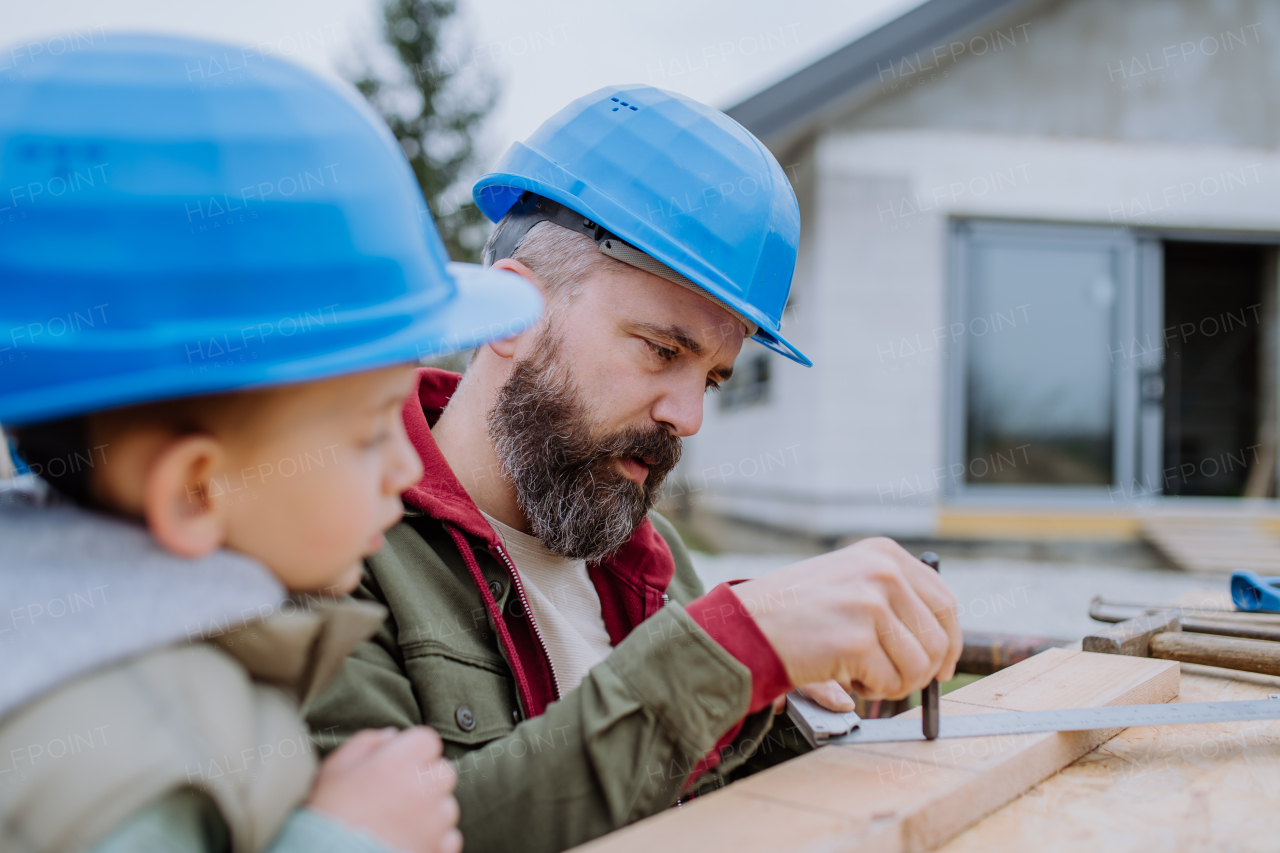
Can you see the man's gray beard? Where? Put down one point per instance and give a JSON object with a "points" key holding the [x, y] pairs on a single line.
{"points": [[565, 476]]}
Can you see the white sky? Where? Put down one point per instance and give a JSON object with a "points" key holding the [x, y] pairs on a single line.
{"points": [[542, 54]]}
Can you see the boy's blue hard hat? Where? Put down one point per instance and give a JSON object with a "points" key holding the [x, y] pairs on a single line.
{"points": [[180, 217], [676, 179]]}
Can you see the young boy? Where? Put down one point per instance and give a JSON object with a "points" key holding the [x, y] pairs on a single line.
{"points": [[214, 290]]}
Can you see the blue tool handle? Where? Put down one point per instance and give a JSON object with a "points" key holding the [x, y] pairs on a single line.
{"points": [[1254, 593]]}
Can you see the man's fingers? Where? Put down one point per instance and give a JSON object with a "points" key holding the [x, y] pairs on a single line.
{"points": [[907, 656], [918, 618], [881, 675], [942, 605], [948, 614], [829, 694]]}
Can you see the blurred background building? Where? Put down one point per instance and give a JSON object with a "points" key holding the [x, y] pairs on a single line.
{"points": [[1038, 264], [1037, 280]]}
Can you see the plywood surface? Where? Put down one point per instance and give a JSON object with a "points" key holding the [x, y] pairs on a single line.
{"points": [[1206, 788], [908, 796]]}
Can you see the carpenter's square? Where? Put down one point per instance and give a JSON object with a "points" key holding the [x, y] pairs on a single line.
{"points": [[821, 726]]}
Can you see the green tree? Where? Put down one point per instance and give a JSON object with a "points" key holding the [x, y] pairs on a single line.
{"points": [[434, 110]]}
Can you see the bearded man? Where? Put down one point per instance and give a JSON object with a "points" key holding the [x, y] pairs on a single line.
{"points": [[543, 619]]}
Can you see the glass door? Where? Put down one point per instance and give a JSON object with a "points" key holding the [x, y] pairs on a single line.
{"points": [[1044, 386]]}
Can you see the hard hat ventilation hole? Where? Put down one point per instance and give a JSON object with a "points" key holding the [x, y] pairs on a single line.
{"points": [[623, 104]]}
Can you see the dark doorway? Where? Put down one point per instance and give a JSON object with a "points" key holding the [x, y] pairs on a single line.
{"points": [[1213, 314]]}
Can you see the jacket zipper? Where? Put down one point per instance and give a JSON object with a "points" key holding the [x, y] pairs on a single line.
{"points": [[524, 601]]}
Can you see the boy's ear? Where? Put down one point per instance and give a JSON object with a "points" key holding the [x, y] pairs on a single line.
{"points": [[507, 348], [179, 498]]}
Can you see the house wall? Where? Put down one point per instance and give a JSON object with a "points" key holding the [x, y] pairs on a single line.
{"points": [[1140, 70], [1037, 132]]}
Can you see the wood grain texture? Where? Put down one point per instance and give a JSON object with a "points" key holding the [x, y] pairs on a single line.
{"points": [[1210, 788], [1230, 652], [907, 797]]}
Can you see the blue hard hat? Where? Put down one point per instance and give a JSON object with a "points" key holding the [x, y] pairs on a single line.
{"points": [[180, 217], [676, 179]]}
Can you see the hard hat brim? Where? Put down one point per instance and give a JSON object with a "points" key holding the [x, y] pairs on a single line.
{"points": [[496, 192], [491, 305]]}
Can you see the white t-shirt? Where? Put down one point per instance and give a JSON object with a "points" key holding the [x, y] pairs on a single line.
{"points": [[565, 605]]}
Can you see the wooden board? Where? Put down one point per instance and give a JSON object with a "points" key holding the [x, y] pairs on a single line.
{"points": [[900, 798], [1215, 544], [1212, 787]]}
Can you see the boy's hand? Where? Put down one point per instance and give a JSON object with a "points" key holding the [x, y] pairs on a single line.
{"points": [[395, 786]]}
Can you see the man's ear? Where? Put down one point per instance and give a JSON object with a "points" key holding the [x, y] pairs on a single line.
{"points": [[180, 496], [507, 348]]}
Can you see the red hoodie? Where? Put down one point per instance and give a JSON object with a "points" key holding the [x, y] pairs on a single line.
{"points": [[631, 583]]}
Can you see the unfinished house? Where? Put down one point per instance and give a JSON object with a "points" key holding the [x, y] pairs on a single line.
{"points": [[1037, 281]]}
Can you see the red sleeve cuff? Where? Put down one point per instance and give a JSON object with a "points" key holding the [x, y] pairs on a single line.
{"points": [[720, 613]]}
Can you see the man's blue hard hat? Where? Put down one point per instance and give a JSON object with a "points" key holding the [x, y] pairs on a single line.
{"points": [[180, 217], [677, 180]]}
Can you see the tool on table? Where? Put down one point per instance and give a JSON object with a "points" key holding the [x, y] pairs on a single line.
{"points": [[986, 652], [1252, 593], [929, 695], [1224, 623], [1161, 635], [1101, 609], [1158, 635], [821, 727]]}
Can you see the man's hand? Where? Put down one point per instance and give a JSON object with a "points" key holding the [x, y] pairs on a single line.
{"points": [[395, 786], [871, 617], [828, 694]]}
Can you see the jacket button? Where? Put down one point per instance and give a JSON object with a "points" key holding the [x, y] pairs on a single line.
{"points": [[495, 589], [466, 718]]}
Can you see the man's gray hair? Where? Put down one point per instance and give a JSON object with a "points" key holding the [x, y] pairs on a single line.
{"points": [[561, 259]]}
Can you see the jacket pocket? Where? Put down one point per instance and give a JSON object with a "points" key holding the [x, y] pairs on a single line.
{"points": [[469, 702]]}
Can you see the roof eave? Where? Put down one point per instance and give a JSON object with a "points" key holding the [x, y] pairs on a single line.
{"points": [[839, 81]]}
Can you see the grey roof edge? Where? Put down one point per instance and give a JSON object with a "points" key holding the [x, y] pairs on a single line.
{"points": [[838, 78]]}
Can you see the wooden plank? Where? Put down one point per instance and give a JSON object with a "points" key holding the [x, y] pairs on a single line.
{"points": [[1215, 544], [1211, 787], [907, 797]]}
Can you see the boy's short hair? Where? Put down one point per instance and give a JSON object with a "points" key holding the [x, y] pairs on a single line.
{"points": [[64, 455], [58, 452]]}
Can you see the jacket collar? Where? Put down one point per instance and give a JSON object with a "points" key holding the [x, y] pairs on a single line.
{"points": [[438, 493], [644, 561]]}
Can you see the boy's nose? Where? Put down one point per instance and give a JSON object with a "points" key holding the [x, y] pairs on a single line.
{"points": [[407, 468]]}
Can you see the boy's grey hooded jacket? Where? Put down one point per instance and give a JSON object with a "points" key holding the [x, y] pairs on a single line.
{"points": [[131, 675]]}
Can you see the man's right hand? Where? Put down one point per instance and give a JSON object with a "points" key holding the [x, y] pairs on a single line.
{"points": [[395, 786], [870, 616]]}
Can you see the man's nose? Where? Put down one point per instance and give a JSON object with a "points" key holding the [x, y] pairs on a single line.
{"points": [[682, 409]]}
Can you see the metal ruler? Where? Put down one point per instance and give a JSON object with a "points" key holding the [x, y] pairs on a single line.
{"points": [[821, 726]]}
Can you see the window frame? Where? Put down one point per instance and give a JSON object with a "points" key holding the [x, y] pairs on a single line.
{"points": [[1125, 243]]}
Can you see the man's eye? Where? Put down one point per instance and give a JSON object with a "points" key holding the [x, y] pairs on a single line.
{"points": [[664, 353], [712, 386]]}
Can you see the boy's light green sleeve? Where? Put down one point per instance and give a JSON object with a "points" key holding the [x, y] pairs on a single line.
{"points": [[188, 821]]}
